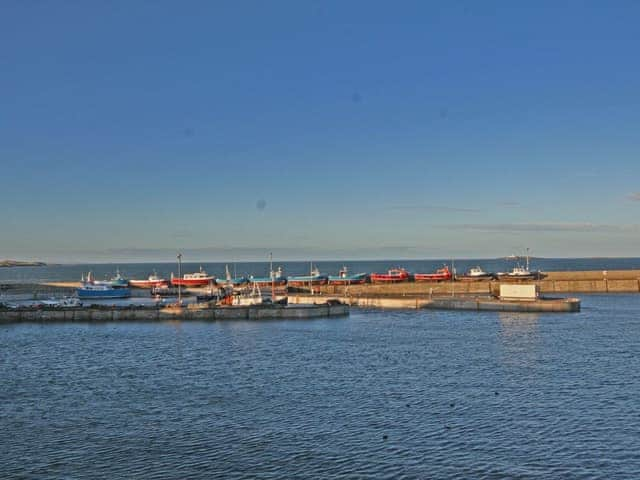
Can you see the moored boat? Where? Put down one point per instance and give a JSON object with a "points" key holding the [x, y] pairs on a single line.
{"points": [[277, 279], [117, 281], [230, 281], [249, 296], [151, 282], [196, 279], [442, 274], [93, 290], [392, 276], [314, 278], [475, 274], [521, 273], [344, 278]]}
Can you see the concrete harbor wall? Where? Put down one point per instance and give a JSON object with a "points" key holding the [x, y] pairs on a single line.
{"points": [[142, 314], [617, 281], [448, 303]]}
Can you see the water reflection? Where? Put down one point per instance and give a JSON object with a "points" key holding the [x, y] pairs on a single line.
{"points": [[519, 338]]}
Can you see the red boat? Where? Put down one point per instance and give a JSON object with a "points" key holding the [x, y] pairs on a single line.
{"points": [[441, 274], [393, 275], [197, 279]]}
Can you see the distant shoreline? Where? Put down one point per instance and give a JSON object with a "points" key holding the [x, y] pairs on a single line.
{"points": [[16, 263]]}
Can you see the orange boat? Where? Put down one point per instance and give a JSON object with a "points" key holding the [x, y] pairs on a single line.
{"points": [[441, 275], [392, 276]]}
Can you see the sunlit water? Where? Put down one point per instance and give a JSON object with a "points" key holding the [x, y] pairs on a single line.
{"points": [[408, 394]]}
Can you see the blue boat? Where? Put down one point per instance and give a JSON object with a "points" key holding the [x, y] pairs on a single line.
{"points": [[92, 290], [276, 279], [231, 282], [343, 278], [315, 278]]}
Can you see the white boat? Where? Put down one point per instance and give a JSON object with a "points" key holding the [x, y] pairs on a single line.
{"points": [[51, 302], [249, 297], [65, 302], [152, 281], [475, 273], [70, 302], [521, 273]]}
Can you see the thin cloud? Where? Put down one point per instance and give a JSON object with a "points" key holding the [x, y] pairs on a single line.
{"points": [[544, 227], [635, 196], [508, 204], [435, 208]]}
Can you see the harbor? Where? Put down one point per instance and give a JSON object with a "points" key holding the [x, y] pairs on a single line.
{"points": [[199, 294]]}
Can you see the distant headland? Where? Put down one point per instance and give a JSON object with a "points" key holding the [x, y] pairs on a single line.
{"points": [[16, 263]]}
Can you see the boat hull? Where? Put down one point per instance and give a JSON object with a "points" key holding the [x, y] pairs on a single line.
{"points": [[431, 277], [475, 278], [514, 278], [305, 281], [96, 294], [265, 282], [236, 282], [348, 280], [148, 283], [384, 278], [192, 282]]}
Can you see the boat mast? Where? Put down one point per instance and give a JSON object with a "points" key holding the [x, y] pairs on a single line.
{"points": [[179, 278], [273, 276], [527, 259]]}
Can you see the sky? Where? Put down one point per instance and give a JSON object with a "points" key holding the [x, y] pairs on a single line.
{"points": [[318, 129]]}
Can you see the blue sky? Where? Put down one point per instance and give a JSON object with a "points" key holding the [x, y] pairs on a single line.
{"points": [[129, 130]]}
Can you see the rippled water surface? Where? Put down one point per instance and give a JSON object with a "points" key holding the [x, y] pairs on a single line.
{"points": [[376, 395]]}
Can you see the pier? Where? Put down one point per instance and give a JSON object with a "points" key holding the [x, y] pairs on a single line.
{"points": [[596, 281], [154, 314], [478, 303]]}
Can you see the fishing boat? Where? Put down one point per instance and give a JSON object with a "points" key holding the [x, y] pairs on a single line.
{"points": [[197, 279], [392, 276], [277, 279], [151, 282], [231, 281], [475, 274], [213, 293], [65, 302], [93, 290], [521, 273], [343, 278], [249, 296], [69, 302], [117, 281], [314, 278], [442, 274]]}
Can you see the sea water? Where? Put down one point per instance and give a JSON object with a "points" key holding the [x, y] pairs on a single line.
{"points": [[378, 394]]}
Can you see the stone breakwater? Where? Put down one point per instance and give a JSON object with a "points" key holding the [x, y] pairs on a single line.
{"points": [[152, 314], [450, 303]]}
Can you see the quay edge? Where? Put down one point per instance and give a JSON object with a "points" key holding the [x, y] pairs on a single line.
{"points": [[451, 303], [151, 314]]}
